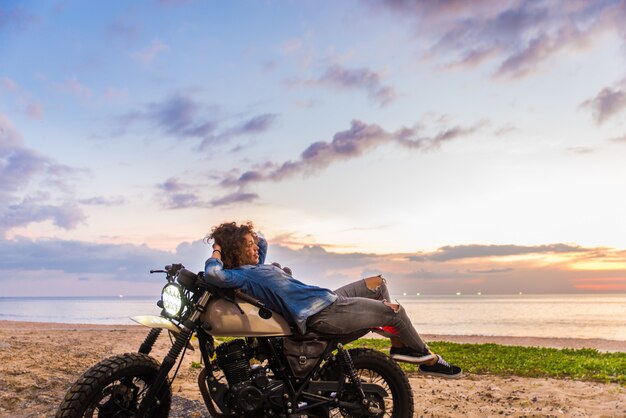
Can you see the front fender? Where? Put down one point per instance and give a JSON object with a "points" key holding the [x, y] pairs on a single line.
{"points": [[153, 321]]}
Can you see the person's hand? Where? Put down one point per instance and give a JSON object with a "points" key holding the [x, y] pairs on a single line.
{"points": [[285, 269], [217, 251]]}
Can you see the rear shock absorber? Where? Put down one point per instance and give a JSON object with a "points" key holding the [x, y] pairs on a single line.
{"points": [[350, 371]]}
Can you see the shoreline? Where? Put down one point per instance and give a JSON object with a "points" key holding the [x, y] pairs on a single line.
{"points": [[40, 360], [599, 344]]}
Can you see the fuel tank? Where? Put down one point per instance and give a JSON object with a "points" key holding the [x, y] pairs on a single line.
{"points": [[224, 319]]}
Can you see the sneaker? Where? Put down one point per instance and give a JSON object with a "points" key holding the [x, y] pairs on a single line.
{"points": [[441, 369], [409, 355]]}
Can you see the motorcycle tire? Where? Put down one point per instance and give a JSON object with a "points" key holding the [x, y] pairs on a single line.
{"points": [[114, 387], [375, 367]]}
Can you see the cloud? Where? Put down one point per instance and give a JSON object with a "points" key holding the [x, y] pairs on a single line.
{"points": [[26, 176], [458, 252], [359, 79], [103, 263], [123, 261], [254, 126], [517, 36], [122, 30], [619, 139], [182, 116], [72, 87], [359, 138], [172, 2], [490, 271], [103, 201], [177, 195], [30, 210], [149, 54], [581, 150], [14, 17], [23, 99], [237, 197], [56, 266], [257, 124], [608, 103]]}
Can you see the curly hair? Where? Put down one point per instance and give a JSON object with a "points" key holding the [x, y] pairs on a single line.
{"points": [[230, 237]]}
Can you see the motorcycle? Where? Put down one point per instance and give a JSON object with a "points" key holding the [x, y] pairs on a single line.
{"points": [[265, 368]]}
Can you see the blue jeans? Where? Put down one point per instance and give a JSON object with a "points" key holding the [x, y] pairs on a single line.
{"points": [[359, 310]]}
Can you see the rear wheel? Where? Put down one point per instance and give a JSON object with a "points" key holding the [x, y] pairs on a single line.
{"points": [[114, 388], [376, 368]]}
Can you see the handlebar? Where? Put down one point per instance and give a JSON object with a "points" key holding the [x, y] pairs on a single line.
{"points": [[264, 312], [171, 269]]}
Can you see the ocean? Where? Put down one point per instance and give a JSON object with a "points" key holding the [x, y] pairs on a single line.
{"points": [[561, 316]]}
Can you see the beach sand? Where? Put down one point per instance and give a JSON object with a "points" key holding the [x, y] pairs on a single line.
{"points": [[39, 361]]}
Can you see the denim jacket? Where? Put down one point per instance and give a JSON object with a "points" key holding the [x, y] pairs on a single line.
{"points": [[280, 292]]}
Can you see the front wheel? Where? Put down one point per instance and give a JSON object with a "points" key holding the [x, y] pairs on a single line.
{"points": [[376, 368], [114, 388]]}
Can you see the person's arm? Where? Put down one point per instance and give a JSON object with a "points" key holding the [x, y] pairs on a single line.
{"points": [[215, 273], [262, 244]]}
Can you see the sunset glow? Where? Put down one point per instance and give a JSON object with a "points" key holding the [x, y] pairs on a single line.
{"points": [[465, 148]]}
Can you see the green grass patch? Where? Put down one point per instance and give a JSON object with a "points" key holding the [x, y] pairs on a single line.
{"points": [[581, 364]]}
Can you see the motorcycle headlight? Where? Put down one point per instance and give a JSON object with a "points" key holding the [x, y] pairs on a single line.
{"points": [[173, 299]]}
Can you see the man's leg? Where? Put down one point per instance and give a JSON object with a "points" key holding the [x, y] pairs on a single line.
{"points": [[364, 304], [351, 314], [374, 287]]}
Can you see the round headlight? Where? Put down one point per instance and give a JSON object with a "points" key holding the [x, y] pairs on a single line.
{"points": [[172, 297]]}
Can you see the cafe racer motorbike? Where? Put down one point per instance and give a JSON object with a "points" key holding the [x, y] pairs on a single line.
{"points": [[262, 368]]}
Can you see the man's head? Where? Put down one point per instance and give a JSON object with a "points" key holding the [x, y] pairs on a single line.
{"points": [[238, 242]]}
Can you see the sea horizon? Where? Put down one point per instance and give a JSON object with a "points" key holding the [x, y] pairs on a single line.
{"points": [[395, 295], [578, 315]]}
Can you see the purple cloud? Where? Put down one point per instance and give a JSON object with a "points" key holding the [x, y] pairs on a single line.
{"points": [[608, 103], [122, 30], [360, 79], [182, 116], [177, 195], [351, 143], [103, 201], [257, 124], [519, 36], [237, 197], [458, 252], [23, 169], [66, 215], [23, 99], [14, 17], [123, 261]]}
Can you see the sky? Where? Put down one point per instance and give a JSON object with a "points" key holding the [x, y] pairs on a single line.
{"points": [[453, 146]]}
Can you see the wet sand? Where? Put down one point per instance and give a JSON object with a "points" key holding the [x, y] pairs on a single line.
{"points": [[39, 361]]}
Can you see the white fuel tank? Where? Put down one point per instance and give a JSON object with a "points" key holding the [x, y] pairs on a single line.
{"points": [[226, 320]]}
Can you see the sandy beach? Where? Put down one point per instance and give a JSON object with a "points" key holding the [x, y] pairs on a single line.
{"points": [[39, 361]]}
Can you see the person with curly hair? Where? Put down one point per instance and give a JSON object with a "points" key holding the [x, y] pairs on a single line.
{"points": [[355, 309]]}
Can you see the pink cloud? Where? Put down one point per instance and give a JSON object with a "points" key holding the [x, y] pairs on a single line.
{"points": [[518, 36], [608, 103], [148, 54]]}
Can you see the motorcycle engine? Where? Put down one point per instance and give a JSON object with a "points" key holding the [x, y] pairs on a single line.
{"points": [[249, 386], [233, 358]]}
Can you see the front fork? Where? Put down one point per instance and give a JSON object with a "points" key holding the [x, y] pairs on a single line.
{"points": [[148, 343], [181, 341]]}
